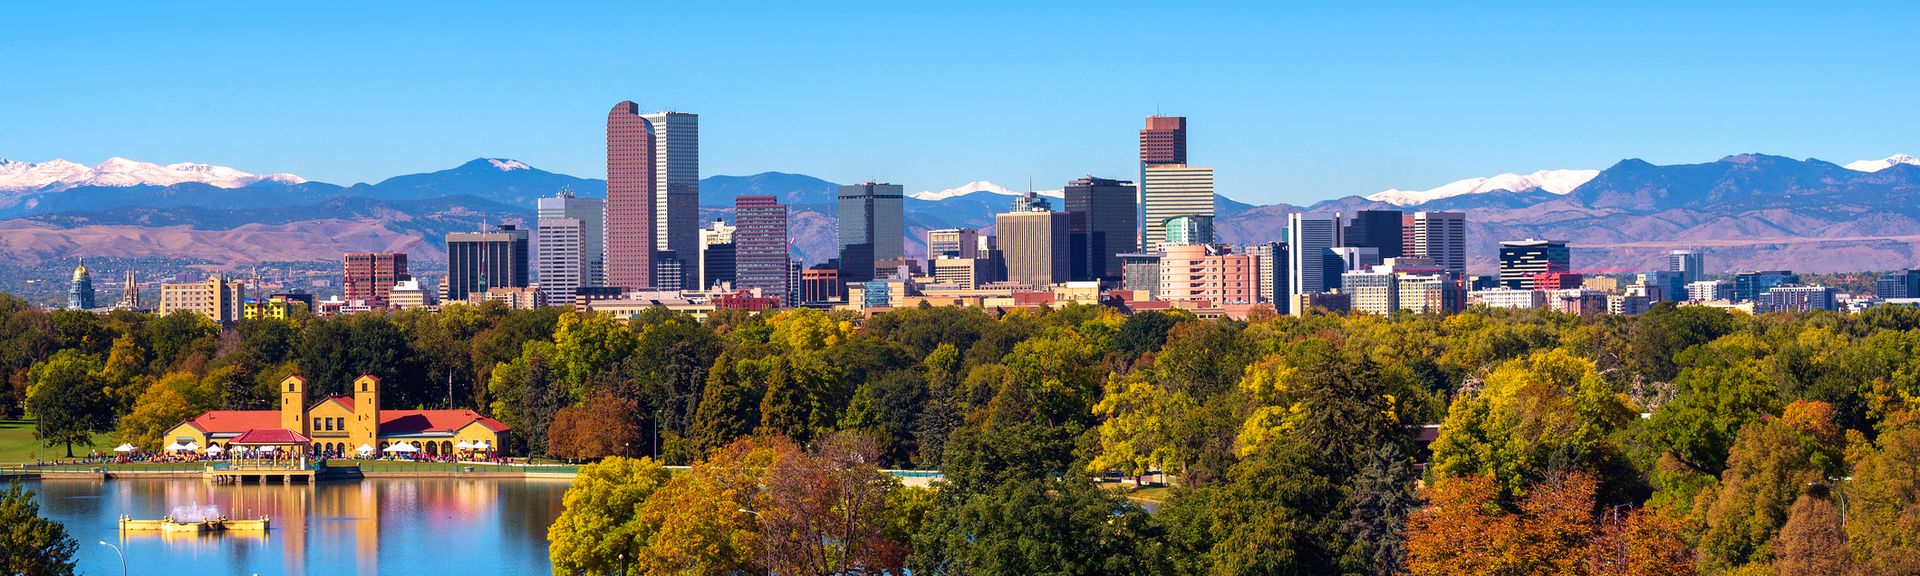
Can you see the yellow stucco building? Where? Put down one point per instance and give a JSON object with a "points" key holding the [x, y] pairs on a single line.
{"points": [[338, 426]]}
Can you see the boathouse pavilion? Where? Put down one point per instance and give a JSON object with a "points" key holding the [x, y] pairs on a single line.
{"points": [[339, 425]]}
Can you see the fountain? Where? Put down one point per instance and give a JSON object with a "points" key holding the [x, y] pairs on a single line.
{"points": [[193, 519]]}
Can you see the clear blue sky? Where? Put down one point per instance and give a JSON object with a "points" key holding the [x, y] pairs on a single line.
{"points": [[1287, 102]]}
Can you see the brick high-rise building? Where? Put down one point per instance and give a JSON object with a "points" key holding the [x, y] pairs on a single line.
{"points": [[369, 276], [631, 203], [1199, 272], [760, 245], [1164, 140]]}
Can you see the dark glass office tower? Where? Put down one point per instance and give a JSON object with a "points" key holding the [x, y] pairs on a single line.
{"points": [[1103, 217]]}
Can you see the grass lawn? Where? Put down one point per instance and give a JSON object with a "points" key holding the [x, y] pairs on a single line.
{"points": [[18, 445], [1155, 495]]}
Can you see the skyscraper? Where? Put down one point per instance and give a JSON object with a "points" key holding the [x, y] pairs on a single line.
{"points": [[1522, 260], [1310, 243], [760, 245], [676, 185], [477, 261], [631, 202], [872, 228], [1106, 215], [369, 276], [592, 214], [1171, 190], [716, 254], [953, 243], [560, 260], [1188, 229], [1691, 264], [1442, 238], [1270, 272], [1035, 245], [80, 291], [1164, 140], [1375, 229]]}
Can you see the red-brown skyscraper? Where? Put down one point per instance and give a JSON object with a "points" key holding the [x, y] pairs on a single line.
{"points": [[371, 276], [760, 244], [630, 198], [1164, 141]]}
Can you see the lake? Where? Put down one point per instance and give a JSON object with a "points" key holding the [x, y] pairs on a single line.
{"points": [[442, 526]]}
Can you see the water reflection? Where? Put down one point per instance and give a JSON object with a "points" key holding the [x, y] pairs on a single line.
{"points": [[374, 526]]}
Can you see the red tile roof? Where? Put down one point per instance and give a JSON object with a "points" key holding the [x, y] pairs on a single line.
{"points": [[419, 421], [235, 421], [270, 436], [344, 401]]}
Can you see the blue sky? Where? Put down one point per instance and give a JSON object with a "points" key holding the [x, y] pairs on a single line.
{"points": [[1287, 101]]}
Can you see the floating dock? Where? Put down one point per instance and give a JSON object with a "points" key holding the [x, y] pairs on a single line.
{"points": [[170, 526]]}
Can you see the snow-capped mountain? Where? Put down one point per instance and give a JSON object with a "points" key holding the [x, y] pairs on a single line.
{"points": [[978, 186], [1553, 181], [508, 165], [57, 175], [1882, 164]]}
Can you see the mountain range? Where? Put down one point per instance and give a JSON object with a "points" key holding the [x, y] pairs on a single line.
{"points": [[1749, 211]]}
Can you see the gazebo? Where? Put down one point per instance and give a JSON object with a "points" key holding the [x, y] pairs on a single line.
{"points": [[276, 448]]}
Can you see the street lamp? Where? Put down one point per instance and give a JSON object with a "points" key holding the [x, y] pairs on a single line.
{"points": [[123, 556], [763, 543]]}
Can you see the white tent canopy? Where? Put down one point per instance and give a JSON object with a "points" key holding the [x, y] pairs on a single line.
{"points": [[481, 445], [175, 447], [463, 445], [123, 448], [402, 447], [190, 445], [215, 449], [364, 449], [266, 448]]}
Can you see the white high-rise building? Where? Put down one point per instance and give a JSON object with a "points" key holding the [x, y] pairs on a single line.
{"points": [[1442, 238], [676, 187], [1310, 243], [1171, 190], [718, 234], [1689, 263], [569, 244]]}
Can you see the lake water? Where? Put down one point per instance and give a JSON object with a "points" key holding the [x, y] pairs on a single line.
{"points": [[438, 526]]}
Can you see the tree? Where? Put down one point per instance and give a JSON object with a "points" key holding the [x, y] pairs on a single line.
{"points": [[68, 400], [598, 532], [1883, 498], [1770, 465], [1065, 526], [1812, 543], [586, 345], [729, 406], [1137, 418], [1276, 513], [1550, 407], [606, 425], [1642, 542], [29, 544], [1467, 529], [170, 400], [1381, 496], [827, 511], [707, 520]]}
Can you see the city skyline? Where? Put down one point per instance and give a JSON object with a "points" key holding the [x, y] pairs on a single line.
{"points": [[1409, 105]]}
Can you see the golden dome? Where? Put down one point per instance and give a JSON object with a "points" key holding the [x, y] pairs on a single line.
{"points": [[80, 271]]}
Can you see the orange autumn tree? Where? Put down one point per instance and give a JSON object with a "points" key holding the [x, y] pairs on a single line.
{"points": [[1465, 528]]}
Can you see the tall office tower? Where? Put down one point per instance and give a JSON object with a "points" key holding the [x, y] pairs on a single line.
{"points": [[1898, 284], [631, 203], [953, 243], [1748, 286], [1188, 229], [80, 290], [716, 254], [369, 276], [559, 260], [129, 294], [1442, 238], [1310, 243], [1691, 264], [1164, 140], [1173, 190], [872, 228], [676, 184], [1270, 271], [1407, 236], [795, 275], [1378, 229], [1035, 245], [1521, 260], [760, 245], [477, 261], [1357, 258], [1030, 201], [1106, 213], [592, 214]]}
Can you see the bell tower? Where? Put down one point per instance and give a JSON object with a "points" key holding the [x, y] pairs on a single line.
{"points": [[365, 428], [293, 404]]}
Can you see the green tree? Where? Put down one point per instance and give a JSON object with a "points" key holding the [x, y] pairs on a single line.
{"points": [[1549, 410], [1381, 497], [29, 544], [1061, 526], [1770, 466], [1136, 428], [170, 400], [598, 532], [729, 406], [68, 400]]}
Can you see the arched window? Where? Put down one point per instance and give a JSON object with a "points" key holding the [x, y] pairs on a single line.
{"points": [[446, 447]]}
